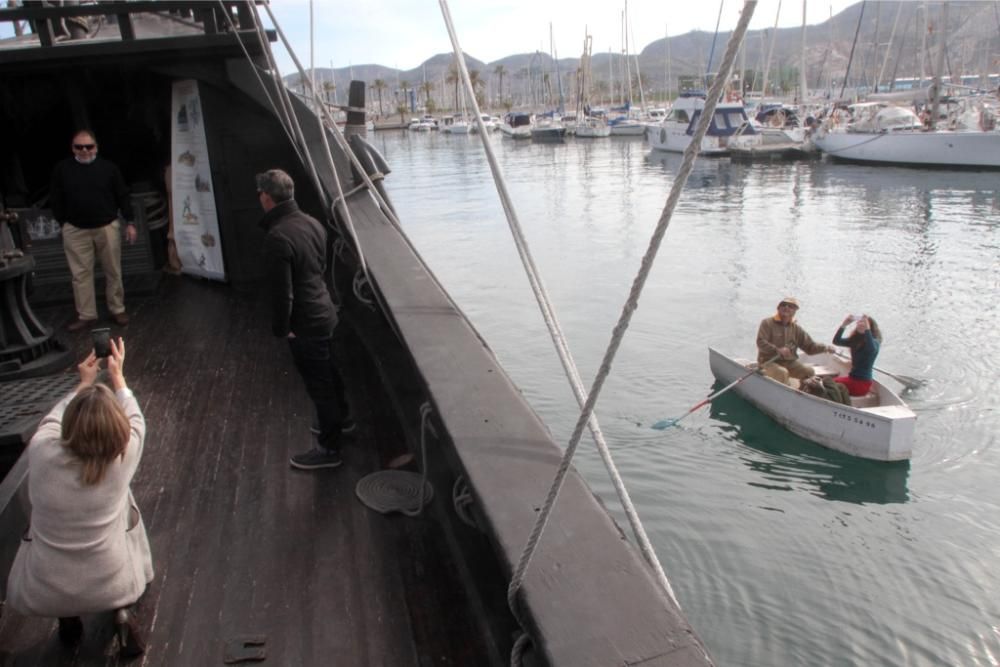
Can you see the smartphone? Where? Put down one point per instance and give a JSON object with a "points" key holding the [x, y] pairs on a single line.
{"points": [[102, 342]]}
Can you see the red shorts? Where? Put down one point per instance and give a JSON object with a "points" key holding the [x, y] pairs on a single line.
{"points": [[855, 387]]}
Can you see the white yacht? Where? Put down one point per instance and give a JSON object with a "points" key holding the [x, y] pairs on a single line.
{"points": [[674, 133]]}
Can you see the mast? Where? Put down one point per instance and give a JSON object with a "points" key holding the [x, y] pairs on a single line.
{"points": [[770, 51], [888, 47], [555, 58], [626, 69], [711, 53], [312, 66], [803, 85], [669, 73], [850, 58], [936, 86], [743, 67], [923, 47], [638, 72]]}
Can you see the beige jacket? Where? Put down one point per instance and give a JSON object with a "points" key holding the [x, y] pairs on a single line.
{"points": [[86, 550], [773, 334]]}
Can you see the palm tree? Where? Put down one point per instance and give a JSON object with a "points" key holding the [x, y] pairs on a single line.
{"points": [[477, 85], [453, 78], [379, 85], [426, 87], [405, 87], [500, 72]]}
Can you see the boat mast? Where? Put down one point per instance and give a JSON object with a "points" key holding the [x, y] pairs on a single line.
{"points": [[770, 51], [626, 68], [711, 53], [670, 77], [638, 72], [888, 47], [803, 84], [938, 67], [555, 58], [850, 58], [923, 48]]}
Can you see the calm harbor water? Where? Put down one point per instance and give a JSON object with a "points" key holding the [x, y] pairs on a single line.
{"points": [[781, 552]]}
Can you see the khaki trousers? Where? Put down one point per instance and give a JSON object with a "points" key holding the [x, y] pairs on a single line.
{"points": [[81, 245]]}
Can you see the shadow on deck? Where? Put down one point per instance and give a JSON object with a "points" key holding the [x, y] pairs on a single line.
{"points": [[243, 544]]}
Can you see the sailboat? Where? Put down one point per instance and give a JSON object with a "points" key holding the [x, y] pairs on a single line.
{"points": [[879, 132], [588, 126], [548, 126]]}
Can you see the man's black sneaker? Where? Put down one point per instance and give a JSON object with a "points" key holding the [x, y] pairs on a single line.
{"points": [[315, 458]]}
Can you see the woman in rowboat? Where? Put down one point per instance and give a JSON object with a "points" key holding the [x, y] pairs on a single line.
{"points": [[864, 342]]}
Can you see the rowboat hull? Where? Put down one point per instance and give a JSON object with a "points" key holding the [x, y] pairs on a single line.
{"points": [[882, 433]]}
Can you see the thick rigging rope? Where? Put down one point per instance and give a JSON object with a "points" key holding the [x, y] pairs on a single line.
{"points": [[552, 323], [631, 304]]}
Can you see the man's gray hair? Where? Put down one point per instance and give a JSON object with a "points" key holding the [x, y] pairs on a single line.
{"points": [[277, 184]]}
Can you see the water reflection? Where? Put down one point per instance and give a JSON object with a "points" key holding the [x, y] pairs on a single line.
{"points": [[787, 462]]}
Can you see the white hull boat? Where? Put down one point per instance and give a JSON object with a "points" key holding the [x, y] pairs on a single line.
{"points": [[882, 134], [944, 148], [517, 125], [591, 128], [628, 128], [878, 426], [674, 133]]}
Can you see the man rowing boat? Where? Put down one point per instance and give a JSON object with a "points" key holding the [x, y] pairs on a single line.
{"points": [[780, 335]]}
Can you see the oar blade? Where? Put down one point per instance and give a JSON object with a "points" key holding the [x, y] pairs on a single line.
{"points": [[665, 424], [910, 382]]}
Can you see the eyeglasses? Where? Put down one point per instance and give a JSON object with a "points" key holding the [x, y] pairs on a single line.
{"points": [[84, 147], [788, 305]]}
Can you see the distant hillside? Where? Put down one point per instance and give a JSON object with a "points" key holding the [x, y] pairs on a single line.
{"points": [[530, 79]]}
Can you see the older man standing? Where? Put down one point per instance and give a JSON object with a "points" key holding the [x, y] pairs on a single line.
{"points": [[780, 335], [302, 310], [86, 197]]}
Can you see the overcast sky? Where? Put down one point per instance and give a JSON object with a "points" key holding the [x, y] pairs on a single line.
{"points": [[404, 33]]}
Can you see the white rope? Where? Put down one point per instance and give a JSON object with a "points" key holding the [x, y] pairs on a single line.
{"points": [[586, 416], [555, 330], [559, 340]]}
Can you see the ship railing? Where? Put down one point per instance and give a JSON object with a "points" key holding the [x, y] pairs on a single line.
{"points": [[53, 24]]}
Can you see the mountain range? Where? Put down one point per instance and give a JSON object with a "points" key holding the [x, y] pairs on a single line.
{"points": [[895, 39]]}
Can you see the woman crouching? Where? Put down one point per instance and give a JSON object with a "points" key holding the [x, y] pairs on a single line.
{"points": [[86, 550]]}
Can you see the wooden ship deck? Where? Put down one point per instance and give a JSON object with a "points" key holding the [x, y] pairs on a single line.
{"points": [[243, 545]]}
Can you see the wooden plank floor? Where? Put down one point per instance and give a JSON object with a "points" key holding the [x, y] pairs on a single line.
{"points": [[243, 544]]}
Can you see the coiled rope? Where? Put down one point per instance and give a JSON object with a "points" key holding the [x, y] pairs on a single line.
{"points": [[588, 400]]}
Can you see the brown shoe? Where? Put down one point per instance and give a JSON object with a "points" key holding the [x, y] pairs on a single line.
{"points": [[121, 319], [80, 324]]}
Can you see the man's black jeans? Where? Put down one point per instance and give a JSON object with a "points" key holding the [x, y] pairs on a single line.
{"points": [[314, 360]]}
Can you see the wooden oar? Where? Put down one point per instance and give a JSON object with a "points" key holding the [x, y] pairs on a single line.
{"points": [[905, 380], [666, 423]]}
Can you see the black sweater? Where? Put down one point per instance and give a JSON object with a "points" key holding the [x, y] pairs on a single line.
{"points": [[88, 195], [295, 253]]}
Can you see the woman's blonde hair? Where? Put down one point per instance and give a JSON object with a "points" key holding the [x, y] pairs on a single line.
{"points": [[96, 430]]}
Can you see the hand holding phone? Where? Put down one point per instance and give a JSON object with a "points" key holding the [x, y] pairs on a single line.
{"points": [[102, 342]]}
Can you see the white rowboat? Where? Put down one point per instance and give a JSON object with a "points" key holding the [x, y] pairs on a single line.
{"points": [[878, 426]]}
